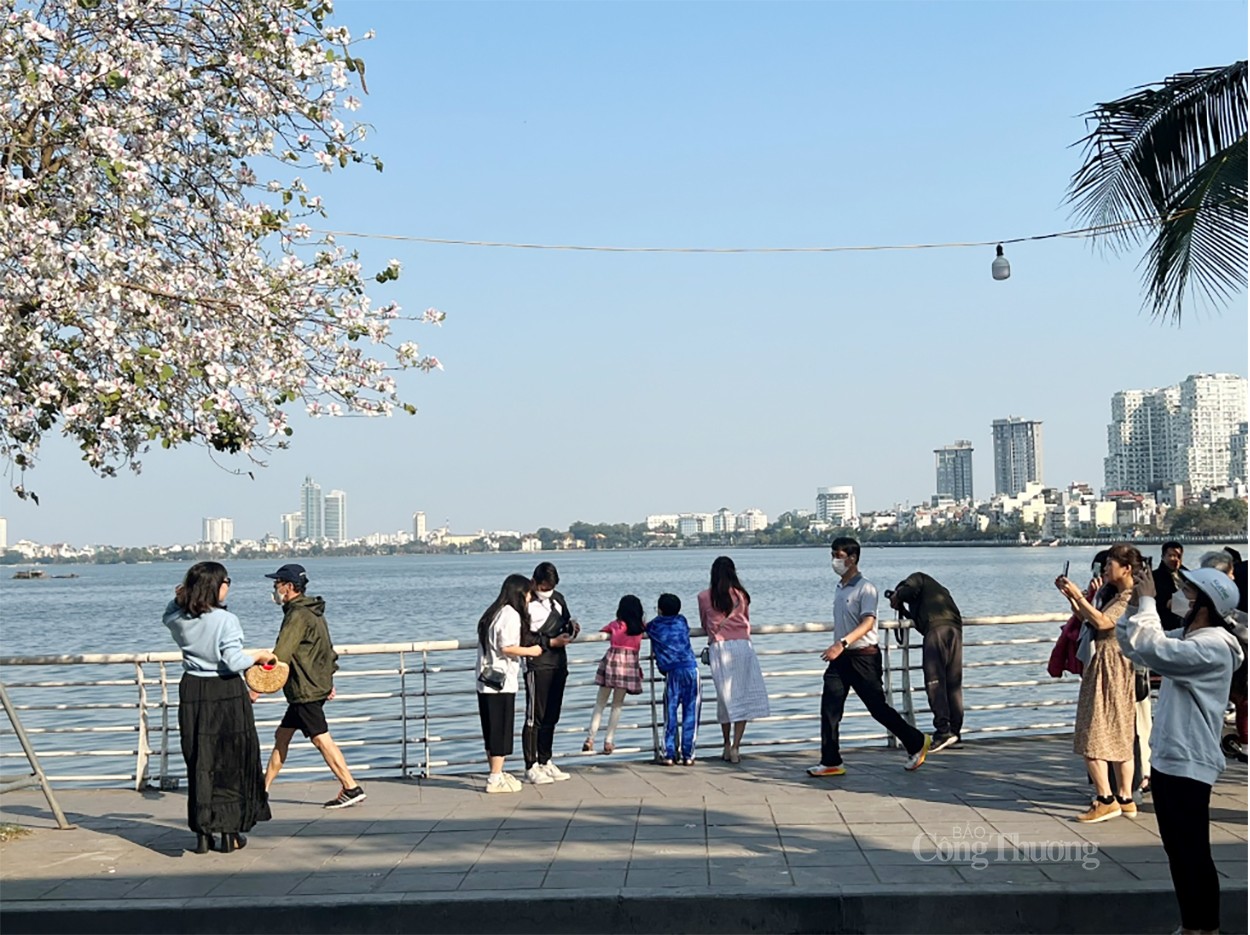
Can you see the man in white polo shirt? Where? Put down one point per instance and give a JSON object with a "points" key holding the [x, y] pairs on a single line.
{"points": [[855, 663]]}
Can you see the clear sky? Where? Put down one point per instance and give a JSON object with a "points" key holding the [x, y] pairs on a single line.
{"points": [[602, 387]]}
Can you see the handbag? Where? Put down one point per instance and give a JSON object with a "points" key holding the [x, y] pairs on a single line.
{"points": [[267, 678], [492, 675], [1141, 684], [705, 657]]}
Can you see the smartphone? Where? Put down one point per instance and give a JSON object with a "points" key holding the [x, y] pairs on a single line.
{"points": [[1150, 562], [1065, 569]]}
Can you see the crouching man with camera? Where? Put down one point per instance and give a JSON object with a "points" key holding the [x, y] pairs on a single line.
{"points": [[921, 599], [1197, 664]]}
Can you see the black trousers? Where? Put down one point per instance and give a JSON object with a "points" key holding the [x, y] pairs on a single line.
{"points": [[544, 695], [943, 657], [861, 673], [1183, 811]]}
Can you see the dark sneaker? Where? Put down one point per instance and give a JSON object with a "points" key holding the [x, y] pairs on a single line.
{"points": [[942, 741], [347, 798]]}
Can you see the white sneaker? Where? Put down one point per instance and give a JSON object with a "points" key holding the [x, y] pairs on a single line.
{"points": [[513, 783], [557, 774], [501, 782], [537, 775]]}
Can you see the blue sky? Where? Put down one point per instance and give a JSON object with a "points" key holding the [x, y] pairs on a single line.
{"points": [[603, 387]]}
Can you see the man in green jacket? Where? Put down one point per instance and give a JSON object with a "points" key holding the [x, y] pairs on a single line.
{"points": [[304, 644]]}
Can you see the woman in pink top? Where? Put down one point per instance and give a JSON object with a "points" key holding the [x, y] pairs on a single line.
{"points": [[725, 611], [619, 672]]}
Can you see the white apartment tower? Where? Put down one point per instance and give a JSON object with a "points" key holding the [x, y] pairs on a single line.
{"points": [[313, 508], [336, 517], [836, 505], [752, 520], [418, 526], [954, 470], [218, 530], [1190, 434], [1017, 454]]}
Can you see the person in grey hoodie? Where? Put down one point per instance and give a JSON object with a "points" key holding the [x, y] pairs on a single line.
{"points": [[1197, 664]]}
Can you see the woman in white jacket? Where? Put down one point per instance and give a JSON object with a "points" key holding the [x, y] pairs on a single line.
{"points": [[1197, 665]]}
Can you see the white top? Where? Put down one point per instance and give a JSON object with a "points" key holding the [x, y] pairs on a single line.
{"points": [[505, 630], [540, 609]]}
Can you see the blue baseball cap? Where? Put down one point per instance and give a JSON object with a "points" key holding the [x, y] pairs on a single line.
{"points": [[293, 574]]}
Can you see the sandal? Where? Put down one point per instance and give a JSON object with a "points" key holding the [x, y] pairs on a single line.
{"points": [[726, 752], [588, 746], [1144, 788], [609, 747]]}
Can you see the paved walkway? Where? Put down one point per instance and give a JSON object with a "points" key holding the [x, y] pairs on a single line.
{"points": [[979, 839]]}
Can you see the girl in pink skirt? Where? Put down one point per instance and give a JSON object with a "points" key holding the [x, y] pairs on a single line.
{"points": [[619, 672]]}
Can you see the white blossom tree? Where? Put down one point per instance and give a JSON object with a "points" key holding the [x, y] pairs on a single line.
{"points": [[159, 281]]}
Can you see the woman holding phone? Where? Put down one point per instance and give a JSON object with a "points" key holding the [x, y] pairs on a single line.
{"points": [[1105, 709]]}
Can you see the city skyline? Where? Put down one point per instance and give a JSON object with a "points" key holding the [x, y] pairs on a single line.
{"points": [[659, 380], [1017, 444]]}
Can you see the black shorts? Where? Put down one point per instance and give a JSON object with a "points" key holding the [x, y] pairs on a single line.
{"points": [[498, 711], [307, 716]]}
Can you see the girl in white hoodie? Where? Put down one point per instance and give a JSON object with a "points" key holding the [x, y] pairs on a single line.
{"points": [[1197, 664]]}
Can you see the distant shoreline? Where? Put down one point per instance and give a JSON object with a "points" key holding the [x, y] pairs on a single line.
{"points": [[953, 544]]}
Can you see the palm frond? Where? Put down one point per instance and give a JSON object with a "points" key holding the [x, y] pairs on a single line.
{"points": [[1171, 159], [1203, 236]]}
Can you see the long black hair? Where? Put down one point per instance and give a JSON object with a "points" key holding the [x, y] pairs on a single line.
{"points": [[630, 611], [201, 588], [725, 580], [514, 594]]}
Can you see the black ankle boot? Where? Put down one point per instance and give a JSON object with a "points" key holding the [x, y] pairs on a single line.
{"points": [[203, 843], [233, 842]]}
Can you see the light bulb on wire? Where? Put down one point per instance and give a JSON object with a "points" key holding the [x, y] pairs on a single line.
{"points": [[1000, 268]]}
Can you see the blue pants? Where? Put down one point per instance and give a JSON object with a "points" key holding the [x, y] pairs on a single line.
{"points": [[681, 690]]}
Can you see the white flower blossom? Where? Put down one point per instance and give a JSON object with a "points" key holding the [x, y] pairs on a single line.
{"points": [[147, 296]]}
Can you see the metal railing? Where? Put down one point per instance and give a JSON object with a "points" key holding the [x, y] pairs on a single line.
{"points": [[408, 709]]}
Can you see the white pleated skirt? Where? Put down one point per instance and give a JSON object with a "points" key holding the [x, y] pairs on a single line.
{"points": [[740, 692]]}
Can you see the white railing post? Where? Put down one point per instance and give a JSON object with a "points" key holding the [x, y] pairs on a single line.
{"points": [[887, 682], [403, 716], [166, 783], [655, 731], [909, 706], [144, 750], [427, 771]]}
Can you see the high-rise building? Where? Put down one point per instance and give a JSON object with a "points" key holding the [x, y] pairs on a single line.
{"points": [[723, 520], [836, 505], [1238, 466], [313, 508], [1186, 434], [954, 470], [1017, 454], [418, 525], [336, 517], [292, 526], [218, 530], [4, 534]]}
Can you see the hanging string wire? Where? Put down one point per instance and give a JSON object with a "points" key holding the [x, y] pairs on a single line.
{"points": [[1080, 232]]}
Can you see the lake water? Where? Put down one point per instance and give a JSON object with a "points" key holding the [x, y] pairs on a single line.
{"points": [[117, 609]]}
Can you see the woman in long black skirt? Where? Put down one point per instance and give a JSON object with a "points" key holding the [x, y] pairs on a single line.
{"points": [[226, 784]]}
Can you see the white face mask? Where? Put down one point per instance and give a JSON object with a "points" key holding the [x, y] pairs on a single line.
{"points": [[840, 566], [276, 597], [544, 595], [1179, 604]]}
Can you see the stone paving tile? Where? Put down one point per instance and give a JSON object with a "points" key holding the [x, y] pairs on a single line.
{"points": [[649, 878], [825, 877], [670, 832], [498, 879], [262, 884], [605, 878], [92, 888], [419, 881], [590, 832], [1233, 870], [1105, 874], [339, 883], [168, 887], [1019, 873]]}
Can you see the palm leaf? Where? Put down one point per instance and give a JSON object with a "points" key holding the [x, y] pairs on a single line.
{"points": [[1171, 158]]}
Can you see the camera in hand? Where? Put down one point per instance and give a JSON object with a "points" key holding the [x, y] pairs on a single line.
{"points": [[889, 594]]}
